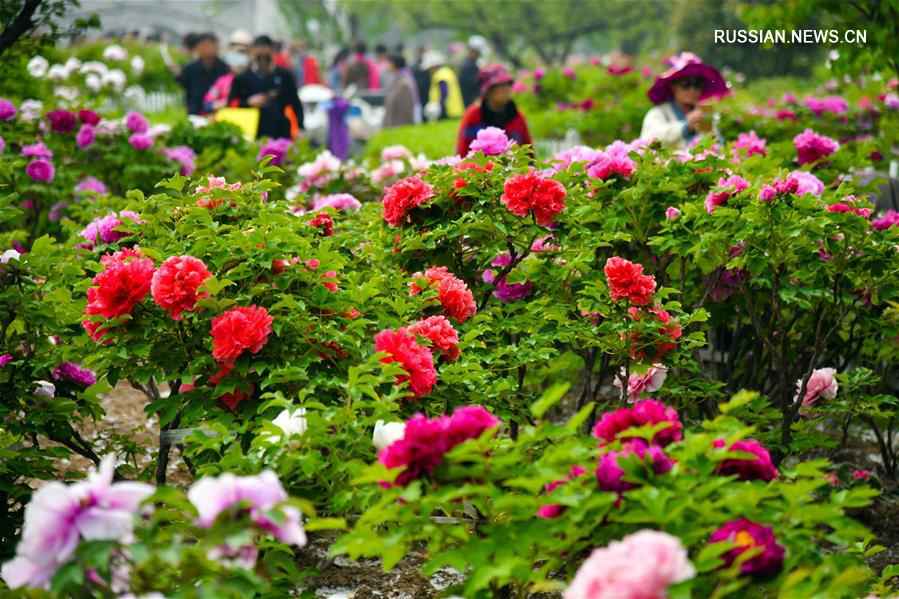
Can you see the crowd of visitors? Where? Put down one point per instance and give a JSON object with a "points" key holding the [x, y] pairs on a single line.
{"points": [[264, 74]]}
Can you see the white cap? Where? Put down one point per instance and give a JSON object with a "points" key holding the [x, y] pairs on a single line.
{"points": [[431, 59], [479, 43], [240, 37]]}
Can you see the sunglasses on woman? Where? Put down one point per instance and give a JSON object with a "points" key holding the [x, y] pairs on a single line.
{"points": [[698, 83]]}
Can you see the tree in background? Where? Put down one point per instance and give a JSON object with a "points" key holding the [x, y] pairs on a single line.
{"points": [[695, 24], [879, 18], [35, 22]]}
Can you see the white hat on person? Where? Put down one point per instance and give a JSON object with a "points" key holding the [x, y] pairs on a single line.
{"points": [[431, 59], [479, 43], [240, 37]]}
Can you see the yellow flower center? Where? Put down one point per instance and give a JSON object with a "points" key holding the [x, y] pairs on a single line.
{"points": [[744, 539]]}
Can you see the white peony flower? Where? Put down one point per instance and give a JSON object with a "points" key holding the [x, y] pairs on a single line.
{"points": [[72, 64], [197, 120], [37, 67], [93, 82], [386, 433], [45, 389], [115, 52], [66, 93], [115, 79], [30, 110], [8, 255], [58, 72], [94, 66], [137, 65], [291, 422]]}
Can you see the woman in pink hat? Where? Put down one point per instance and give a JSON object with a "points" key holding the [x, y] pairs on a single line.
{"points": [[495, 109], [677, 116]]}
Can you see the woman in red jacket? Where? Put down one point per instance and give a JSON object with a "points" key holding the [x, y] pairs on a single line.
{"points": [[495, 109]]}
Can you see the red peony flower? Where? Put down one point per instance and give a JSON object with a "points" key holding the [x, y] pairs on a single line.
{"points": [[61, 121], [462, 167], [403, 196], [237, 330], [417, 361], [627, 281], [529, 192], [323, 222], [230, 398], [176, 282], [123, 283], [441, 334], [759, 467], [672, 331], [453, 293]]}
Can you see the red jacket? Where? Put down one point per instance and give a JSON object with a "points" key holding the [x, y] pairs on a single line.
{"points": [[475, 119]]}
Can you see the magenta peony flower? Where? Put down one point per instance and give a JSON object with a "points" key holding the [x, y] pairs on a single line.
{"points": [[606, 165], [139, 141], [639, 385], [57, 211], [88, 117], [861, 474], [38, 150], [40, 170], [642, 565], [886, 221], [833, 104], [492, 141], [552, 510], [5, 359], [811, 147], [136, 122], [822, 383], [610, 475], [425, 440], [672, 213], [85, 137], [758, 468], [747, 534], [505, 292], [58, 517], [767, 193], [647, 411], [61, 121], [276, 148], [92, 184], [74, 373], [183, 155], [7, 110], [569, 72], [807, 183]]}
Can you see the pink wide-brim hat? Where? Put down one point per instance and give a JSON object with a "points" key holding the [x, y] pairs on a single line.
{"points": [[492, 75], [687, 64]]}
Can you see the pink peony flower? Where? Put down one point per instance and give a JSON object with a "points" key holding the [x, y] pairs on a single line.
{"points": [[811, 147], [576, 155], [672, 213], [339, 201], [759, 467], [886, 221], [395, 152], [7, 110], [639, 385], [403, 196], [648, 411], [38, 150], [747, 534], [861, 474], [139, 141], [240, 329], [5, 359], [40, 170], [642, 565], [276, 148], [184, 156], [822, 384], [59, 517], [807, 183], [726, 188], [440, 332], [767, 193], [136, 122], [833, 104], [74, 373], [260, 495], [506, 292], [748, 144], [85, 137], [610, 475], [92, 184], [606, 165], [492, 141]]}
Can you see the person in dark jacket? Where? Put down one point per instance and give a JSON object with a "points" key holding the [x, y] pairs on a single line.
{"points": [[422, 77], [468, 71], [495, 109], [198, 75], [399, 103], [269, 88]]}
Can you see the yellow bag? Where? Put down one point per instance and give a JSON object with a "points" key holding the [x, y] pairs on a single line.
{"points": [[245, 118]]}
